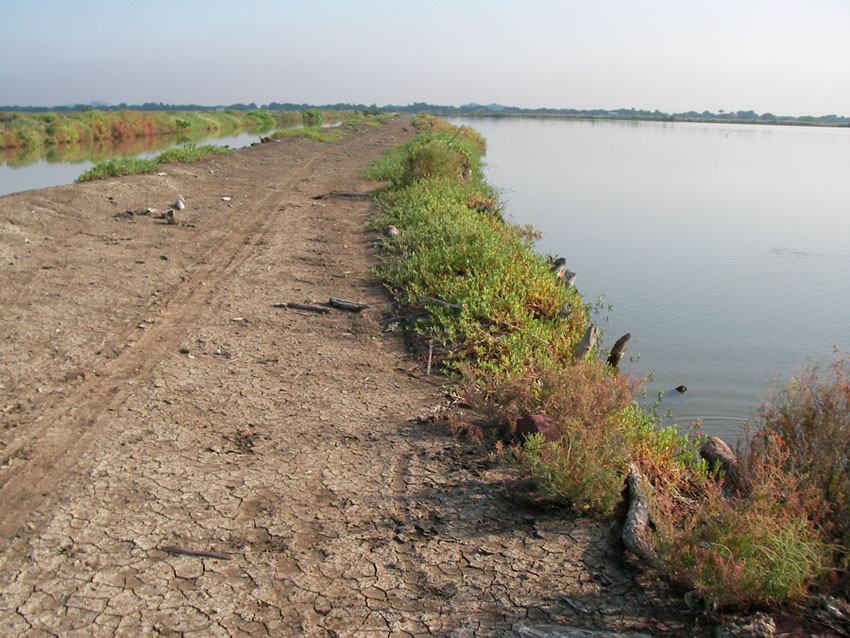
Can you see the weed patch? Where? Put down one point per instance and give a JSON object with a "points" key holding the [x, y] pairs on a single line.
{"points": [[131, 166]]}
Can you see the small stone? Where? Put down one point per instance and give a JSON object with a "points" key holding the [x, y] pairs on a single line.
{"points": [[184, 351]]}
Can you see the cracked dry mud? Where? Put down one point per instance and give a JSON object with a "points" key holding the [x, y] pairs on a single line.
{"points": [[179, 457]]}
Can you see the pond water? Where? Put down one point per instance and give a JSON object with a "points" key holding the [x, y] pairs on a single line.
{"points": [[723, 249], [62, 165]]}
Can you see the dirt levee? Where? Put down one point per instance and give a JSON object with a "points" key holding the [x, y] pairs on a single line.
{"points": [[178, 456]]}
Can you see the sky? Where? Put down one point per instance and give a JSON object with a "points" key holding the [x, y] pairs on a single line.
{"points": [[786, 57]]}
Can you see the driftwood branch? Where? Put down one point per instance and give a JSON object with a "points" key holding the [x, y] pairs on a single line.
{"points": [[637, 518], [345, 304], [619, 350], [719, 455], [587, 342]]}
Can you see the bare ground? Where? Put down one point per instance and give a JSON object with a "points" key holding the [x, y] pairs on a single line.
{"points": [[154, 403]]}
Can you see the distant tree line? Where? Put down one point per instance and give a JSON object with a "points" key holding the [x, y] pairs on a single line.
{"points": [[488, 110]]}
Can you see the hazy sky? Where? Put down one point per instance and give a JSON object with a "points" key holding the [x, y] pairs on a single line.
{"points": [[787, 57]]}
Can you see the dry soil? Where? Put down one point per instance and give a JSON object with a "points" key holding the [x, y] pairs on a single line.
{"points": [[180, 457]]}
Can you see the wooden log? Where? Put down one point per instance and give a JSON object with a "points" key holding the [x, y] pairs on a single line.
{"points": [[587, 342], [345, 304], [720, 456], [619, 350], [302, 306], [637, 518]]}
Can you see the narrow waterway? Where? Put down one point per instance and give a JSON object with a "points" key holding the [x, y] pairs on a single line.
{"points": [[40, 168], [723, 249]]}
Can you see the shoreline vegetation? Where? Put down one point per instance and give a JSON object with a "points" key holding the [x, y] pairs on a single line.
{"points": [[28, 130], [312, 129], [176, 118], [515, 342]]}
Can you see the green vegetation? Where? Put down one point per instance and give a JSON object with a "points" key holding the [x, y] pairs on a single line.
{"points": [[805, 429], [131, 166], [498, 328], [315, 133], [34, 130], [508, 345], [349, 123], [312, 117], [762, 547]]}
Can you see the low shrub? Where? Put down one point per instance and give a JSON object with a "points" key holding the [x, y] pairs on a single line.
{"points": [[764, 548], [811, 416]]}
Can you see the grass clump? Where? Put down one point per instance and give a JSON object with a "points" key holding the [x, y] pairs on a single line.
{"points": [[132, 166], [315, 133], [190, 153], [118, 167]]}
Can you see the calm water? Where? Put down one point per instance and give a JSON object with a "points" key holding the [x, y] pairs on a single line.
{"points": [[724, 250], [63, 165]]}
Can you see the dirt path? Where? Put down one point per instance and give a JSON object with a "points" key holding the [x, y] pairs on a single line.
{"points": [[179, 457]]}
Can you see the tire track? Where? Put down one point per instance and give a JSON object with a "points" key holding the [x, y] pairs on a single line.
{"points": [[34, 462]]}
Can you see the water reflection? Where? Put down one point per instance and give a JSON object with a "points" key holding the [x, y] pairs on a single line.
{"points": [[724, 249], [102, 150], [41, 167]]}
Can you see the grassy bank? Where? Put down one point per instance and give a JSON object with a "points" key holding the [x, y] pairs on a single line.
{"points": [[511, 335], [35, 130], [132, 165], [192, 153], [342, 124]]}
